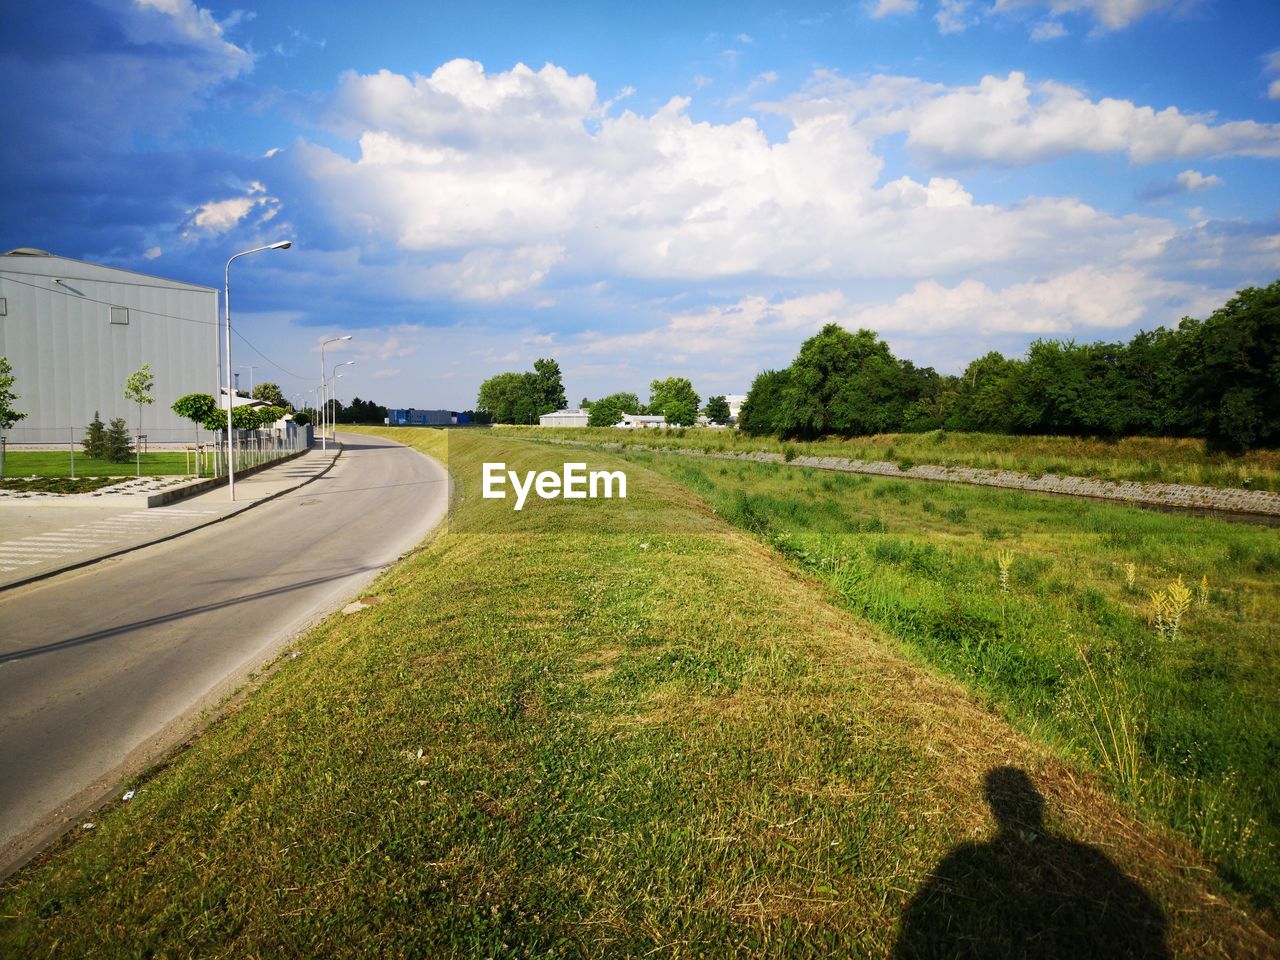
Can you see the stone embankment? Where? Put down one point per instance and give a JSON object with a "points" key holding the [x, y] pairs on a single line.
{"points": [[1183, 496]]}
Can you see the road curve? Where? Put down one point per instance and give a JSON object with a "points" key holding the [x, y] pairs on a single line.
{"points": [[103, 670]]}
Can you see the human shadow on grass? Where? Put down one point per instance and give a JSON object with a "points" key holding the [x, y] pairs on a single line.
{"points": [[1028, 893]]}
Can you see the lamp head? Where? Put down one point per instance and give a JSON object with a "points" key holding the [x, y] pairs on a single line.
{"points": [[281, 245]]}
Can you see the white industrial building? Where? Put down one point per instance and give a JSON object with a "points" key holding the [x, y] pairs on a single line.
{"points": [[565, 418], [75, 331]]}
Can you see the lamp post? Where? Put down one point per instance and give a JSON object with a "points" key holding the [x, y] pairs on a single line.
{"points": [[324, 445], [335, 377], [226, 302]]}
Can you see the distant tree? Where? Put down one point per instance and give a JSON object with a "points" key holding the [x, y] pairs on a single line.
{"points": [[302, 418], [717, 410], [522, 397], [759, 414], [550, 386], [674, 399], [266, 416], [271, 393], [117, 446], [608, 411], [95, 438]]}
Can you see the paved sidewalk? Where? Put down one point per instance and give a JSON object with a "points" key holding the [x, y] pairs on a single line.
{"points": [[39, 538]]}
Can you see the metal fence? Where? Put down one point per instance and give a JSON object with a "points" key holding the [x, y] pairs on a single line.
{"points": [[204, 458]]}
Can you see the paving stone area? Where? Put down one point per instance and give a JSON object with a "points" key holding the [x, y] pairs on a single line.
{"points": [[140, 486], [115, 530], [1177, 495]]}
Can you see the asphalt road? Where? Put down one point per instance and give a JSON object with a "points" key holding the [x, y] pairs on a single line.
{"points": [[104, 669]]}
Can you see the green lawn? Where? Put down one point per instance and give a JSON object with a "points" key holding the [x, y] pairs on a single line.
{"points": [[57, 463], [1146, 459], [1185, 726], [598, 728]]}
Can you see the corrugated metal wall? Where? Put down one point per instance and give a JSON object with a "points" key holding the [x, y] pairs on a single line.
{"points": [[70, 360]]}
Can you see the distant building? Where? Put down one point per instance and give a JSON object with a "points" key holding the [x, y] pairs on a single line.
{"points": [[420, 418], [75, 331], [564, 418], [640, 421], [735, 402]]}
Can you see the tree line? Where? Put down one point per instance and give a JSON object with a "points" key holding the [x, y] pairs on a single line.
{"points": [[524, 397], [1216, 379]]}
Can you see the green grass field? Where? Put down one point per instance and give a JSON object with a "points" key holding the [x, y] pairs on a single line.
{"points": [[1145, 459], [1185, 726], [604, 728], [57, 463]]}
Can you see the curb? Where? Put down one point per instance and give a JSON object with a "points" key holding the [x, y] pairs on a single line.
{"points": [[90, 561], [201, 486]]}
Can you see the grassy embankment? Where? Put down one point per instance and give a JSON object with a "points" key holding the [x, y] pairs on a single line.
{"points": [[1185, 725], [596, 728], [57, 463], [1151, 460]]}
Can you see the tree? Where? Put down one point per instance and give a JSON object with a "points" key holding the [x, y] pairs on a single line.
{"points": [[117, 447], [674, 399], [522, 397], [717, 410], [9, 415], [759, 414], [302, 418], [137, 389], [95, 438], [608, 411], [196, 407], [266, 416], [1237, 383], [550, 386], [271, 393]]}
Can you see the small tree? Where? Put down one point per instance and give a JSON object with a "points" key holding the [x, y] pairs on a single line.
{"points": [[270, 393], [116, 445], [8, 414], [95, 438], [137, 389], [196, 407], [302, 418], [717, 410]]}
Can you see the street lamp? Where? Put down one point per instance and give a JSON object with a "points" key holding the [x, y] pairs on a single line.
{"points": [[335, 377], [324, 445], [226, 302]]}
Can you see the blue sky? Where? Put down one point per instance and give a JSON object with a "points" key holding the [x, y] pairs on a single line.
{"points": [[645, 190]]}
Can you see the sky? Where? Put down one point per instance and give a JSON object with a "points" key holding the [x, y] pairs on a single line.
{"points": [[650, 190]]}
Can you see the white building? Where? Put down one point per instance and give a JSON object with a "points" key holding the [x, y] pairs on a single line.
{"points": [[735, 402], [640, 421], [564, 418], [75, 331]]}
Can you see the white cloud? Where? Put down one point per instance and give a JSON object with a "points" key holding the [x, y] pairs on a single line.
{"points": [[1084, 300], [219, 216], [1008, 121], [152, 253], [1109, 14], [953, 16], [1193, 180], [887, 8], [521, 172], [1048, 30]]}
